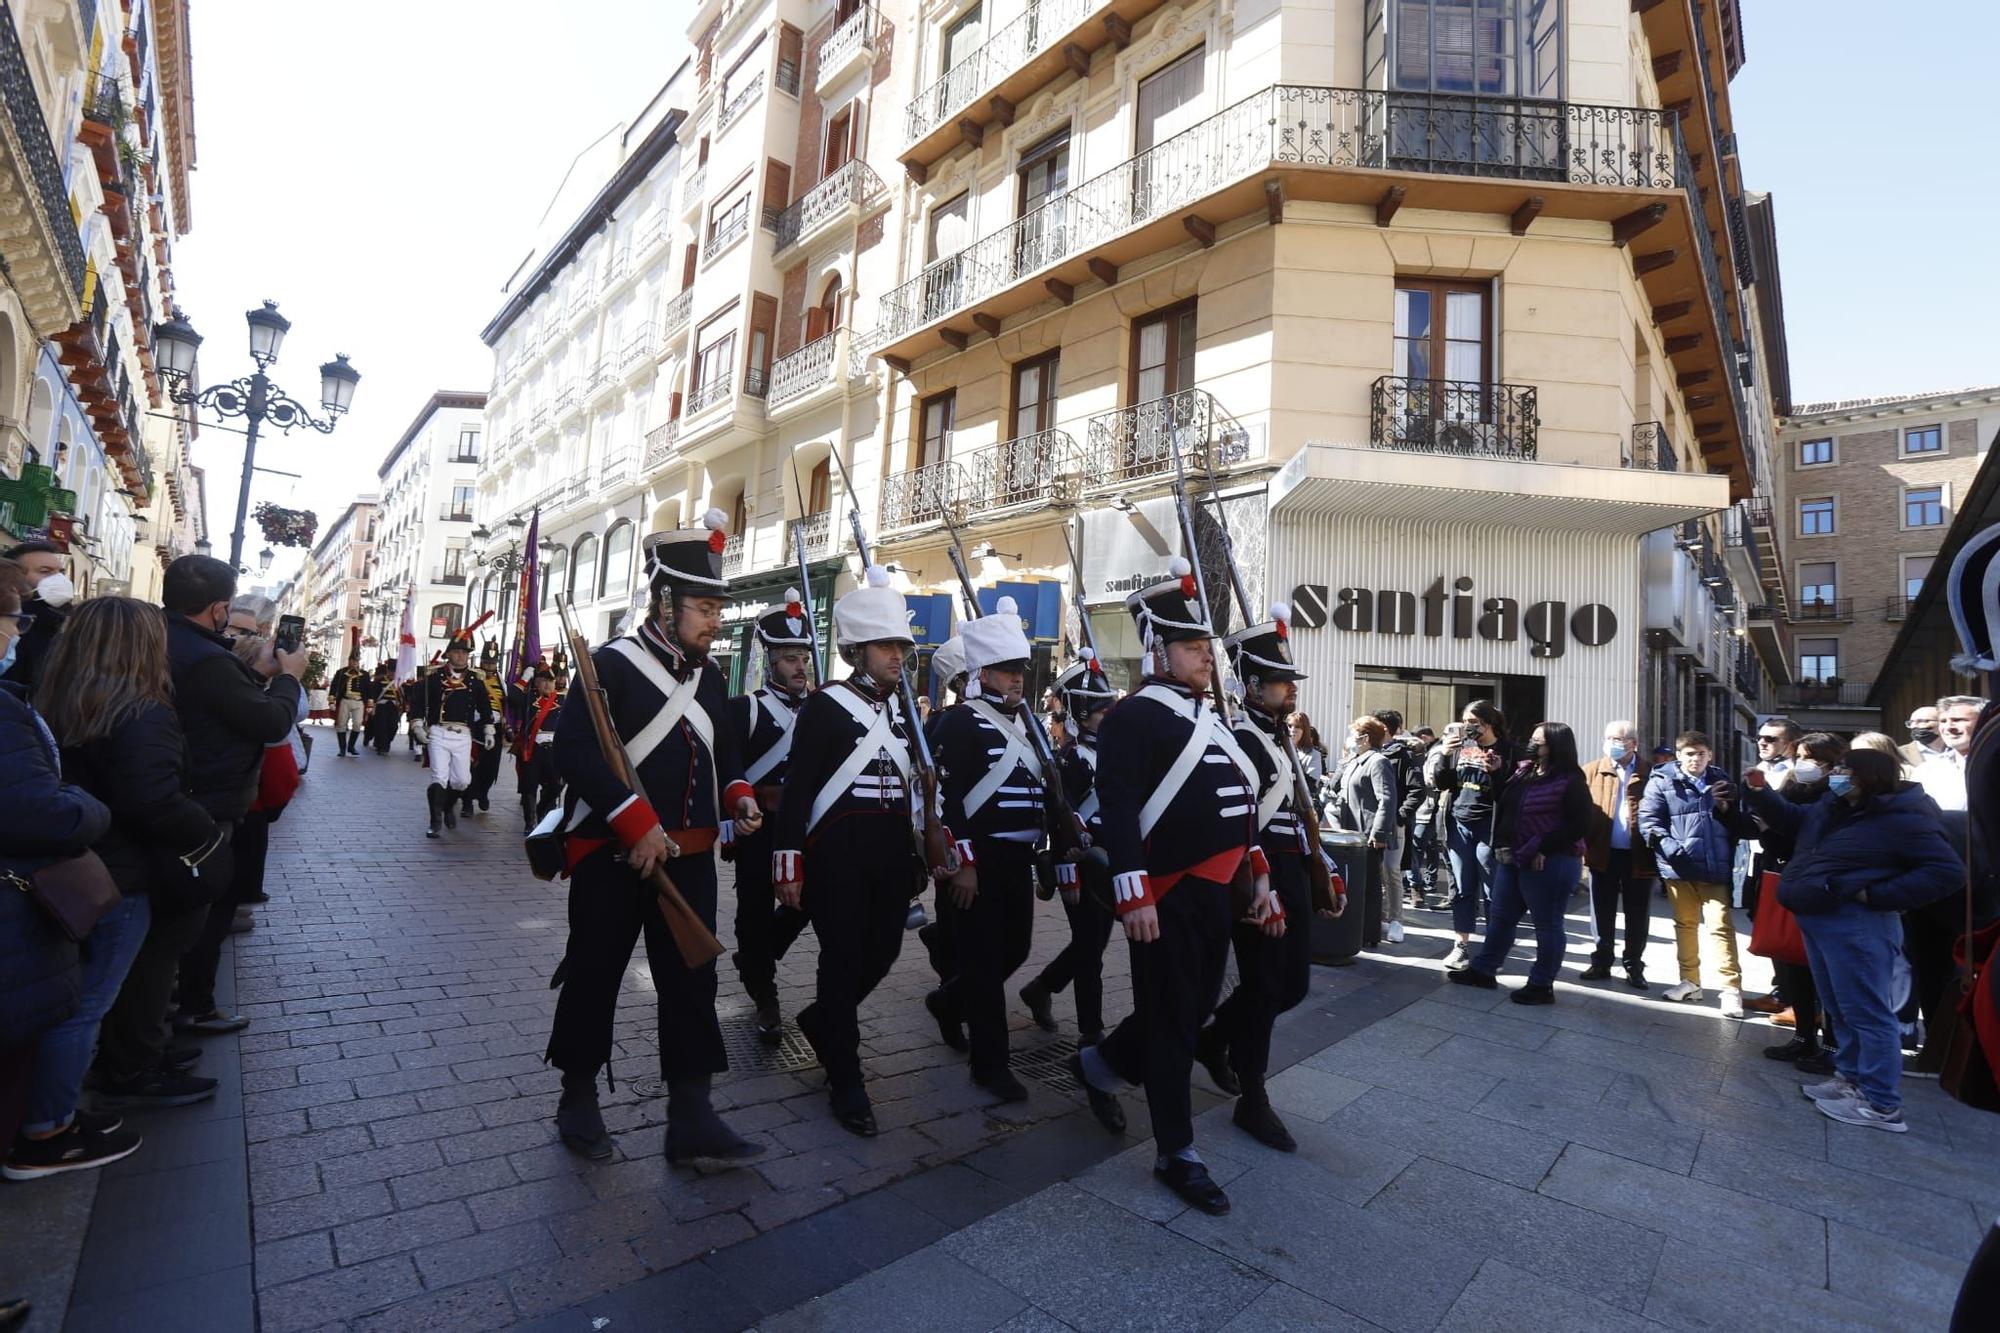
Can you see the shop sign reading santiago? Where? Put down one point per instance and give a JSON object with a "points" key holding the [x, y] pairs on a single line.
{"points": [[1438, 611]]}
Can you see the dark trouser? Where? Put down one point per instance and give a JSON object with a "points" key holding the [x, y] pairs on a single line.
{"points": [[538, 783], [248, 844], [1082, 959], [1372, 900], [608, 908], [765, 927], [990, 939], [1273, 975], [134, 1034], [17, 1066], [1795, 986], [858, 874], [1929, 933], [382, 727], [1542, 895], [1175, 982], [485, 772], [1616, 887]]}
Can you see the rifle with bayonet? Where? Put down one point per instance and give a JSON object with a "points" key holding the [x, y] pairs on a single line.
{"points": [[805, 578], [934, 846]]}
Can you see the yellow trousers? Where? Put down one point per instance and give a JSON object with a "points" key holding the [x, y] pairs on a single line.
{"points": [[1692, 902]]}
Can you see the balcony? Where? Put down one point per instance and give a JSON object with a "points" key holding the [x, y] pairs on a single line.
{"points": [[918, 497], [732, 555], [637, 352], [580, 302], [1043, 468], [810, 535], [454, 578], [693, 188], [842, 199], [787, 78], [651, 233], [710, 392], [725, 233], [1139, 443], [1898, 609], [1651, 449], [739, 102], [850, 47], [105, 116], [1831, 693], [1823, 610], [617, 466], [757, 382], [676, 320], [455, 513], [660, 445], [810, 368], [569, 400], [541, 421], [1740, 551], [44, 253], [1453, 417]]}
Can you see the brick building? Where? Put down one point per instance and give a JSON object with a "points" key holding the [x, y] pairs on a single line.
{"points": [[1867, 490]]}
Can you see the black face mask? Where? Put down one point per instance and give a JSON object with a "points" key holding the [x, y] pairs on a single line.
{"points": [[1537, 751], [1923, 736]]}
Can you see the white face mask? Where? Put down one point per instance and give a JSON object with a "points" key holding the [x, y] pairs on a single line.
{"points": [[1807, 771], [55, 590]]}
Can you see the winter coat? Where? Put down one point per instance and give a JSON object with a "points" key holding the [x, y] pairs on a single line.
{"points": [[228, 714], [1891, 848], [1605, 792], [1368, 796], [140, 772], [1689, 838]]}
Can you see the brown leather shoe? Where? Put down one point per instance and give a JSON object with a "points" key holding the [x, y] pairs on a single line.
{"points": [[1784, 1018], [1764, 1004]]}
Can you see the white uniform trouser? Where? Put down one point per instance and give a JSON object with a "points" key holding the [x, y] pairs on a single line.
{"points": [[348, 717], [451, 756]]}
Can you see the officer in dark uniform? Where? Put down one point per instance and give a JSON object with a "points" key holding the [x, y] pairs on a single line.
{"points": [[763, 722], [385, 709], [350, 704], [1178, 797], [1274, 969], [455, 703], [535, 749], [846, 845], [413, 708], [993, 801], [948, 670], [1086, 894], [666, 699], [491, 739]]}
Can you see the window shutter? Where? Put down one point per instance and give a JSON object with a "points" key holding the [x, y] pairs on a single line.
{"points": [[777, 187]]}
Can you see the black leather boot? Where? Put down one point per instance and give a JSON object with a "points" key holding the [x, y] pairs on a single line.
{"points": [[1254, 1116], [437, 811], [1212, 1049], [694, 1130], [579, 1121], [448, 800]]}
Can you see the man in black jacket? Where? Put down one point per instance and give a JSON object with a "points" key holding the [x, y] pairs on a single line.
{"points": [[47, 601], [229, 713]]}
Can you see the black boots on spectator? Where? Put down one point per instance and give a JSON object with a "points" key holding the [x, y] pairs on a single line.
{"points": [[579, 1121], [694, 1130]]}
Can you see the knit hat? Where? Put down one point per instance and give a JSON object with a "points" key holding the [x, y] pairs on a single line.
{"points": [[872, 613], [996, 640]]}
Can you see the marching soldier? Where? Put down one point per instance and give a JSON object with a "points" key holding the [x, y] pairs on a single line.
{"points": [[845, 845], [666, 699], [455, 702], [534, 750], [384, 709], [491, 739], [764, 722], [1177, 796], [413, 691], [350, 704], [1086, 895], [1274, 971], [993, 800], [948, 670]]}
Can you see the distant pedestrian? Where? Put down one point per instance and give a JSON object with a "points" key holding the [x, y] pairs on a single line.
{"points": [[1683, 820], [1621, 872], [1485, 762]]}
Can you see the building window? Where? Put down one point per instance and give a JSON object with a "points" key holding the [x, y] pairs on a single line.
{"points": [[617, 578], [1491, 48], [1923, 440], [552, 578], [1819, 660], [945, 228], [1170, 100], [961, 38], [1163, 353], [1916, 568], [1814, 453], [840, 145], [716, 351], [468, 447], [1923, 507], [454, 563], [461, 502], [1441, 330], [728, 221], [1815, 518], [583, 568], [936, 417], [1035, 395], [1816, 582]]}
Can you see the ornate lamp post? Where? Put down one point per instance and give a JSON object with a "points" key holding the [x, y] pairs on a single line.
{"points": [[508, 562], [254, 397]]}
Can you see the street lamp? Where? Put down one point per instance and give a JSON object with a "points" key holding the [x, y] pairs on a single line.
{"points": [[253, 397], [264, 559]]}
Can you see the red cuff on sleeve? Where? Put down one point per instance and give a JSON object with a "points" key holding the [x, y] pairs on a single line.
{"points": [[1260, 864], [1132, 890], [632, 821], [733, 793]]}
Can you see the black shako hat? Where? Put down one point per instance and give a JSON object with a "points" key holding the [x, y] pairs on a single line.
{"points": [[1264, 651], [1170, 612], [688, 561], [1082, 686], [786, 626]]}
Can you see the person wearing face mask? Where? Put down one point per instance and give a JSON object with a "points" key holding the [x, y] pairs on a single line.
{"points": [[1867, 850], [1925, 742], [1621, 874], [1434, 815], [48, 601], [1684, 819], [1485, 762], [1368, 800], [1815, 756]]}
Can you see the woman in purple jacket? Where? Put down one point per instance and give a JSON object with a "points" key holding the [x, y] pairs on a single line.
{"points": [[1544, 814]]}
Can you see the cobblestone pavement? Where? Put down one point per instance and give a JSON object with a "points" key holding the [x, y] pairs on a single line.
{"points": [[401, 1155]]}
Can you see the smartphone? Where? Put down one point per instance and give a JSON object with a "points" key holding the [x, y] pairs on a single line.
{"points": [[291, 633]]}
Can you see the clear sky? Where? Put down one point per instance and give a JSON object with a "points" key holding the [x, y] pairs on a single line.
{"points": [[379, 168]]}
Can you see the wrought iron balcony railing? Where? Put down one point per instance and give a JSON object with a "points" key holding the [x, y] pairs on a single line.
{"points": [[568, 399], [1457, 417], [1134, 443], [757, 382], [724, 233], [1833, 691], [848, 38], [911, 499], [1046, 467], [853, 184], [787, 79], [540, 421], [811, 531], [455, 513], [581, 300], [638, 347], [1823, 609], [677, 313], [739, 101], [454, 578], [31, 132], [710, 392], [804, 370], [1898, 608], [1651, 450], [660, 444], [1002, 53], [732, 555], [693, 185], [617, 465], [1624, 147]]}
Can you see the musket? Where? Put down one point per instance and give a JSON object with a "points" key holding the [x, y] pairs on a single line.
{"points": [[1066, 837], [805, 578], [1186, 514], [1319, 874], [1086, 637], [692, 937], [935, 844]]}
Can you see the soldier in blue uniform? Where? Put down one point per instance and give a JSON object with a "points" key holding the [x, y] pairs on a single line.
{"points": [[846, 838], [665, 697], [1178, 797], [540, 709], [764, 722]]}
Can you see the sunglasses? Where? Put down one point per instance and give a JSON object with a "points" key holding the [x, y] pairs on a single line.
{"points": [[1770, 740]]}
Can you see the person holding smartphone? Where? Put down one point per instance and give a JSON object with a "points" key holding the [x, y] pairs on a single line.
{"points": [[1686, 819], [1486, 760]]}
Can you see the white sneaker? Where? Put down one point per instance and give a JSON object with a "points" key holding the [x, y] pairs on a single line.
{"points": [[1684, 992], [1835, 1089], [1458, 959], [1394, 932], [1856, 1111], [1732, 1004]]}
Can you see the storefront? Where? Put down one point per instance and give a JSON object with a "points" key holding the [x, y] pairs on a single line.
{"points": [[749, 598]]}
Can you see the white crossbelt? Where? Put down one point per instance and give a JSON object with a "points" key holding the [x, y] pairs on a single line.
{"points": [[879, 738], [1272, 801], [1086, 809], [781, 749], [1016, 751], [1207, 728]]}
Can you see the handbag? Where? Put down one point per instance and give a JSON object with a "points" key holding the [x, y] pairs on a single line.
{"points": [[1966, 1075], [1774, 933], [75, 892]]}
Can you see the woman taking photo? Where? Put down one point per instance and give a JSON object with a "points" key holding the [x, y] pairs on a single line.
{"points": [[1867, 850], [1544, 815], [1474, 779]]}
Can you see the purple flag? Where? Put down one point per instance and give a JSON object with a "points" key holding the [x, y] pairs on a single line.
{"points": [[526, 649]]}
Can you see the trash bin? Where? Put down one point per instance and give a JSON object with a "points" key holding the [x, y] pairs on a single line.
{"points": [[1336, 942]]}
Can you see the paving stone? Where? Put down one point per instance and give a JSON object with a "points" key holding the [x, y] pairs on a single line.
{"points": [[1503, 1028], [956, 1194], [287, 1260], [475, 1305], [428, 1125], [1643, 1138], [202, 1303], [1499, 1294], [1882, 1269], [485, 1254], [132, 1213], [1285, 1309], [1127, 1180], [407, 1229], [380, 1164], [1306, 1093], [692, 1298], [1701, 1284], [956, 1299], [318, 1212], [1474, 1142], [556, 1284]]}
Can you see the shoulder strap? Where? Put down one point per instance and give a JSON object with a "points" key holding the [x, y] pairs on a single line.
{"points": [[679, 703], [781, 749], [1016, 753], [879, 737]]}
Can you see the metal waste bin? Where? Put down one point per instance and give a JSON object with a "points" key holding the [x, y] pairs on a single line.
{"points": [[1336, 942]]}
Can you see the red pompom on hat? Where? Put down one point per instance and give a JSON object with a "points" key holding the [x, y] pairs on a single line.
{"points": [[1180, 569], [715, 521]]}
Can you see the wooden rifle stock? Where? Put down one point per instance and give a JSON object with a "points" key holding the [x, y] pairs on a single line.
{"points": [[692, 937]]}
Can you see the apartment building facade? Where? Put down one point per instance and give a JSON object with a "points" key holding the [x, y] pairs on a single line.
{"points": [[1868, 489], [423, 535], [93, 457], [338, 581]]}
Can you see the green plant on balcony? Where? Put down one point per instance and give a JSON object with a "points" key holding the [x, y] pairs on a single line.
{"points": [[286, 527]]}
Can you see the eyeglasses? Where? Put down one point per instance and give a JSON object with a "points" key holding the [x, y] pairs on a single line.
{"points": [[23, 620]]}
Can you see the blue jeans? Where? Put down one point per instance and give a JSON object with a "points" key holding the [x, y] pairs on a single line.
{"points": [[1853, 952], [63, 1054], [1472, 867], [1543, 894]]}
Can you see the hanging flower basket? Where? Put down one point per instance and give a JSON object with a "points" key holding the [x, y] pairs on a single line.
{"points": [[286, 527]]}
